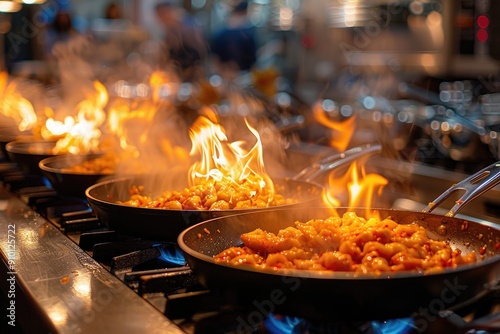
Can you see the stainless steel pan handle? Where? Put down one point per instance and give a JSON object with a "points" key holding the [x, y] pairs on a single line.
{"points": [[474, 186], [331, 162]]}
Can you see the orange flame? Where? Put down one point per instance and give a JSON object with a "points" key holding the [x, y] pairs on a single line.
{"points": [[162, 83], [221, 160], [361, 188], [130, 122], [174, 152], [14, 105], [81, 134], [264, 80], [341, 131]]}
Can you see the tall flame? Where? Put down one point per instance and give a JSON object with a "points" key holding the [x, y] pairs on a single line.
{"points": [[341, 131], [130, 122], [222, 160], [361, 188], [81, 134], [14, 105]]}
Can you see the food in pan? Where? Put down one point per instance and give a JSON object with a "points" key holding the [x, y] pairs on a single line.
{"points": [[105, 164], [349, 244], [210, 195]]}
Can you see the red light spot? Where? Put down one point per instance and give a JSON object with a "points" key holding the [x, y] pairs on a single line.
{"points": [[308, 41], [482, 250], [482, 35], [483, 21]]}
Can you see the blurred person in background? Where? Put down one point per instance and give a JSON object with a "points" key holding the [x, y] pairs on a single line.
{"points": [[234, 47], [187, 48], [61, 30], [18, 46], [113, 12]]}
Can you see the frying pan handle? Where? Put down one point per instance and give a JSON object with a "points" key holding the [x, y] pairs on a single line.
{"points": [[341, 159], [474, 185]]}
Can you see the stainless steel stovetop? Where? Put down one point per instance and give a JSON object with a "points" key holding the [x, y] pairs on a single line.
{"points": [[59, 288]]}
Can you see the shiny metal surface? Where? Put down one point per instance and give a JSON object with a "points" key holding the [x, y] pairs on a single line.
{"points": [[423, 184], [75, 293], [474, 186]]}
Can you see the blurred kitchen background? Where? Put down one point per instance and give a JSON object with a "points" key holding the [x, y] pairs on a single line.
{"points": [[420, 76], [315, 42]]}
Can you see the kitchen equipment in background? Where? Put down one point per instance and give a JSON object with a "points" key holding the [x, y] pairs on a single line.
{"points": [[434, 38]]}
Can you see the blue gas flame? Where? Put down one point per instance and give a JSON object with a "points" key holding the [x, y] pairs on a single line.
{"points": [[171, 254], [281, 324], [275, 324], [395, 326]]}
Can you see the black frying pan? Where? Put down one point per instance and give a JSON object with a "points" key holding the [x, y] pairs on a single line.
{"points": [[28, 153], [68, 182], [342, 295], [9, 134], [166, 224]]}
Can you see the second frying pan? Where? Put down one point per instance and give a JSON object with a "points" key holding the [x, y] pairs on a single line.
{"points": [[166, 224]]}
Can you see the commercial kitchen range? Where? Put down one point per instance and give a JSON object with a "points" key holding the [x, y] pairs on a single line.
{"points": [[70, 274], [396, 67]]}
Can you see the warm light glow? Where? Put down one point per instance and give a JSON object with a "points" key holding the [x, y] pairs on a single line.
{"points": [[264, 80], [351, 14], [81, 284], [435, 27], [361, 188], [341, 131], [428, 60], [81, 134], [285, 18], [130, 122], [173, 152], [162, 85], [14, 105], [29, 238], [10, 6], [31, 2], [58, 313], [223, 160]]}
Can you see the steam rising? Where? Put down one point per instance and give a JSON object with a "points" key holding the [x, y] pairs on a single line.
{"points": [[122, 102]]}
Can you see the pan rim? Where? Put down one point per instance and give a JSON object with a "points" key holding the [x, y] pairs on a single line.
{"points": [[19, 147], [44, 164], [330, 275]]}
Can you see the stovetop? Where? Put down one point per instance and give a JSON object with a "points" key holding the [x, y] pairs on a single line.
{"points": [[72, 292], [73, 275]]}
